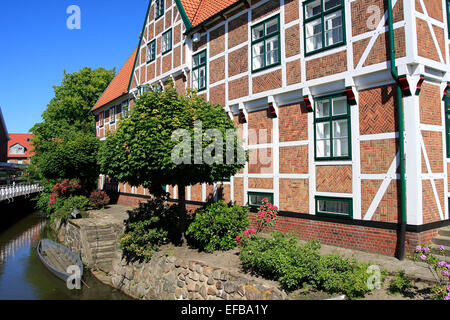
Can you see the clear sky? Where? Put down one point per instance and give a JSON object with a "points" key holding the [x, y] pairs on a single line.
{"points": [[36, 47]]}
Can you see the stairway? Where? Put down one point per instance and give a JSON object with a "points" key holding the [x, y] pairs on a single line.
{"points": [[102, 244], [443, 239]]}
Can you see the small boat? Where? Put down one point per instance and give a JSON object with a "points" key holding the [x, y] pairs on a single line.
{"points": [[58, 258]]}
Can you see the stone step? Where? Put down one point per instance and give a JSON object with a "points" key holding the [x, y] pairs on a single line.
{"points": [[441, 258], [445, 232], [102, 232], [104, 255], [108, 249], [101, 244], [437, 252], [441, 240], [108, 237]]}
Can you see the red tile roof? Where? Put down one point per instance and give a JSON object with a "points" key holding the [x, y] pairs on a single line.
{"points": [[199, 11], [119, 85], [20, 138]]}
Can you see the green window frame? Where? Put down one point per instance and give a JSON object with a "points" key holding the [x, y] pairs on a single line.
{"points": [[199, 71], [159, 8], [112, 114], [255, 198], [334, 207], [324, 25], [166, 42], [447, 124], [448, 17], [266, 44], [332, 128], [151, 51]]}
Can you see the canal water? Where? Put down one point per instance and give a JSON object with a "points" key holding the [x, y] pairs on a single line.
{"points": [[24, 277]]}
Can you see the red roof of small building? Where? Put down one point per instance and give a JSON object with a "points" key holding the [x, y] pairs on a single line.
{"points": [[199, 11], [119, 85], [24, 139]]}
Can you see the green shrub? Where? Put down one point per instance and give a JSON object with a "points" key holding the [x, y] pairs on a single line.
{"points": [[149, 226], [216, 226], [281, 258], [400, 283], [65, 207], [337, 274]]}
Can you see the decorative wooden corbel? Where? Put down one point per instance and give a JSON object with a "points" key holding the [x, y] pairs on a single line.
{"points": [[351, 99], [404, 85], [308, 103], [419, 84]]}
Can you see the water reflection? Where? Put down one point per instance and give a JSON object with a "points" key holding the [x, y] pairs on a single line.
{"points": [[24, 277], [27, 239]]}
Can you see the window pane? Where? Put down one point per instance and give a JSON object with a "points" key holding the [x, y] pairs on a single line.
{"points": [[312, 9], [314, 35], [272, 26], [330, 4], [333, 28], [272, 50], [323, 109], [202, 58], [340, 138], [258, 55], [202, 78], [334, 207], [323, 139], [258, 32], [339, 106], [195, 61], [195, 79]]}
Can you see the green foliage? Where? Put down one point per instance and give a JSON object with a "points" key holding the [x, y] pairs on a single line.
{"points": [[139, 152], [216, 226], [64, 143], [63, 210], [400, 283], [281, 258], [149, 226]]}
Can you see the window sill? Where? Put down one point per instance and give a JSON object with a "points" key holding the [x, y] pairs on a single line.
{"points": [[266, 68], [337, 45]]}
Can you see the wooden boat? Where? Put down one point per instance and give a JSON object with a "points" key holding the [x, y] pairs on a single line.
{"points": [[58, 258]]}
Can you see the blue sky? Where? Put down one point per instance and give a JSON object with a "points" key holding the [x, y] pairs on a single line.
{"points": [[36, 46]]}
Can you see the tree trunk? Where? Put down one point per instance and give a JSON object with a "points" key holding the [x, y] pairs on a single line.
{"points": [[182, 211]]}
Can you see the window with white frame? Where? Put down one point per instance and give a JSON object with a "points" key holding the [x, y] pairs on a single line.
{"points": [[112, 115], [324, 24], [101, 117], [332, 128], [151, 51], [159, 8], [199, 71], [266, 44], [166, 45]]}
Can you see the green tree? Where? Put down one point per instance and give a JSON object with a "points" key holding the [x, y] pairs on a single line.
{"points": [[140, 151], [64, 143]]}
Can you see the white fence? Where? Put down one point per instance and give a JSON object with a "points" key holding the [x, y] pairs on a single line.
{"points": [[12, 191]]}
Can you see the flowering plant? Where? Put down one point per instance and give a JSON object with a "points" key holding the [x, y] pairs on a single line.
{"points": [[63, 188], [267, 215], [439, 268]]}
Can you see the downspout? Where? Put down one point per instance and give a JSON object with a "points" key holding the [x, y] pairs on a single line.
{"points": [[401, 129]]}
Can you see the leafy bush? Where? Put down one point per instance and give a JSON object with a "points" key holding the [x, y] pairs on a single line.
{"points": [[337, 274], [281, 258], [216, 226], [149, 226], [400, 284], [68, 205], [99, 199]]}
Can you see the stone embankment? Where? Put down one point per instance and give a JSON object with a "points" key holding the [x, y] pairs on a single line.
{"points": [[165, 276], [169, 277]]}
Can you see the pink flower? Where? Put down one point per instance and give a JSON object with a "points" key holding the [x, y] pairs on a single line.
{"points": [[441, 248], [268, 219], [423, 257], [419, 248], [238, 238], [252, 231], [266, 199]]}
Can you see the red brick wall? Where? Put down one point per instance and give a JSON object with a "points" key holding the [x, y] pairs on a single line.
{"points": [[294, 195], [320, 67], [377, 155], [260, 127], [334, 179], [268, 81], [430, 104], [294, 160], [293, 122]]}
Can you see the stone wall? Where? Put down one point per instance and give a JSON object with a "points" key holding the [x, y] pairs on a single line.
{"points": [[170, 278]]}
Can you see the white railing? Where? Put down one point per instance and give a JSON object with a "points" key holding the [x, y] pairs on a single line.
{"points": [[12, 191]]}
